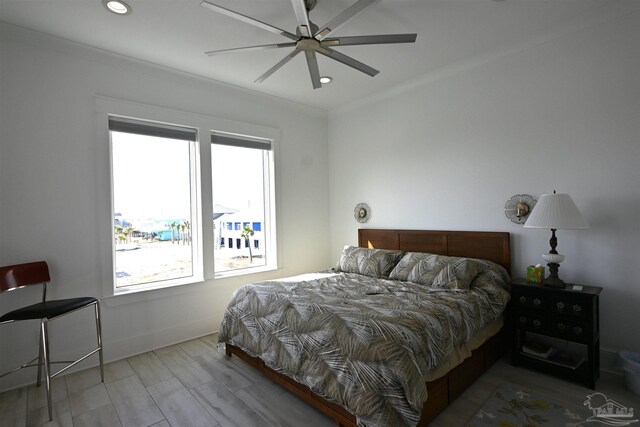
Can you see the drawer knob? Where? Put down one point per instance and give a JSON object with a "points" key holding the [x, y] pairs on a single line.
{"points": [[562, 326], [577, 308], [523, 299], [560, 306], [536, 301], [523, 320], [577, 330], [536, 323]]}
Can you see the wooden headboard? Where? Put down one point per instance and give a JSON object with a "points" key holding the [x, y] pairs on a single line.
{"points": [[493, 246]]}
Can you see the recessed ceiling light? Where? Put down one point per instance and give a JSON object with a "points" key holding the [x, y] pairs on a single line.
{"points": [[117, 6], [325, 80]]}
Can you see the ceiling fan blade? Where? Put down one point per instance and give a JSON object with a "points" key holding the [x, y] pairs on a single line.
{"points": [[276, 67], [312, 62], [344, 17], [302, 16], [248, 20], [250, 48], [347, 60], [377, 39]]}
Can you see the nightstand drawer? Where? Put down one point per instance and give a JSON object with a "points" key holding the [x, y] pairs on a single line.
{"points": [[570, 329], [567, 306], [531, 322], [531, 301]]}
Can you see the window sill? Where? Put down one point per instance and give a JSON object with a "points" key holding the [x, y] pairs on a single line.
{"points": [[139, 293], [245, 271]]}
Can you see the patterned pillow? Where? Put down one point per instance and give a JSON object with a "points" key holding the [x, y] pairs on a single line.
{"points": [[457, 273], [425, 271], [497, 272], [406, 264], [438, 271], [491, 273], [368, 262]]}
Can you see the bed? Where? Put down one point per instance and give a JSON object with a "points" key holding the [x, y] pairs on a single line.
{"points": [[413, 349]]}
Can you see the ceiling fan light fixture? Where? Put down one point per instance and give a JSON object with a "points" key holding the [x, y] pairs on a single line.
{"points": [[117, 6], [325, 80]]}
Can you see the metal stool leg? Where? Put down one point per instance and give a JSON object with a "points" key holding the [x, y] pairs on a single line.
{"points": [[40, 351], [47, 366], [99, 334]]}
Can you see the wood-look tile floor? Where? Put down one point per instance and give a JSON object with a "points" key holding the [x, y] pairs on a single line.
{"points": [[194, 384]]}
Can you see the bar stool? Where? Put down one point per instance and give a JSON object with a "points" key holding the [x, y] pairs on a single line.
{"points": [[21, 275]]}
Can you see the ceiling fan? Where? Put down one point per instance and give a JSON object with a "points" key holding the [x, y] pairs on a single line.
{"points": [[311, 39]]}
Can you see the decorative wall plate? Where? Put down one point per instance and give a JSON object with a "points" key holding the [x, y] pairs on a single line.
{"points": [[518, 208], [362, 212]]}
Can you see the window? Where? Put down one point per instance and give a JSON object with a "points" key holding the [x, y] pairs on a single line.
{"points": [[153, 193], [160, 163], [247, 198]]}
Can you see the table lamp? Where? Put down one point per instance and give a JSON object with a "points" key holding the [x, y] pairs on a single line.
{"points": [[555, 212]]}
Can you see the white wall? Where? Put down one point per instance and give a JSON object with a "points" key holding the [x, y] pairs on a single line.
{"points": [[561, 113], [53, 173]]}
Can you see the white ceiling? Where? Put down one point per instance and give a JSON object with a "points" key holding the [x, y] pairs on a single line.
{"points": [[176, 33]]}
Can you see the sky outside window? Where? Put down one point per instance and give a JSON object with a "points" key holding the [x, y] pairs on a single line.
{"points": [[151, 177]]}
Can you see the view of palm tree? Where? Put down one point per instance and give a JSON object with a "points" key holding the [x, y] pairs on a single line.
{"points": [[247, 232]]}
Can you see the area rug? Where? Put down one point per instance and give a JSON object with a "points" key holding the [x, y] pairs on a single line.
{"points": [[513, 406]]}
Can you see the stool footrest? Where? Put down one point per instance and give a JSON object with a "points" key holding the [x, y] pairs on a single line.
{"points": [[26, 365], [76, 362]]}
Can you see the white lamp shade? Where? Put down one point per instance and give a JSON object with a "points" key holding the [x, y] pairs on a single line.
{"points": [[557, 211]]}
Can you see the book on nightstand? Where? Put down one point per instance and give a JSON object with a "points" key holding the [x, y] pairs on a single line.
{"points": [[538, 349]]}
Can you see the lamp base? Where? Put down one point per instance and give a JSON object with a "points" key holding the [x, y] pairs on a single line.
{"points": [[554, 282]]}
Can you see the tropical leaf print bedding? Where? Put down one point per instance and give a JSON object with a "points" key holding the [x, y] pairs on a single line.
{"points": [[365, 343]]}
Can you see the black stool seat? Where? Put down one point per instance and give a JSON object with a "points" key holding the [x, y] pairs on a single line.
{"points": [[48, 309]]}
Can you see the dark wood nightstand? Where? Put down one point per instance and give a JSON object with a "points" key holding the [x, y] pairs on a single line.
{"points": [[566, 320]]}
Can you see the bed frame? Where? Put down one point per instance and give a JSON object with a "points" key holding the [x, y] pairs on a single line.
{"points": [[493, 246]]}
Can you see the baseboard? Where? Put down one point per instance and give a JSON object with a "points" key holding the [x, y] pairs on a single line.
{"points": [[609, 362]]}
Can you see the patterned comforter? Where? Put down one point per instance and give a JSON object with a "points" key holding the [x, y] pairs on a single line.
{"points": [[365, 343]]}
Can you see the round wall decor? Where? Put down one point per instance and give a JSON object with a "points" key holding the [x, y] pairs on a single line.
{"points": [[518, 208], [362, 212]]}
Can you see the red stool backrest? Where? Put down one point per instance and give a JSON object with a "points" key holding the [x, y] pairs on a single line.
{"points": [[19, 275]]}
